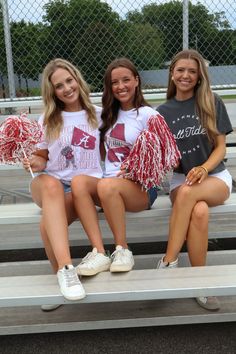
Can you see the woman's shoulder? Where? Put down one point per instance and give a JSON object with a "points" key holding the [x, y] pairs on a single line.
{"points": [[41, 118], [168, 103], [98, 109], [146, 110], [218, 99]]}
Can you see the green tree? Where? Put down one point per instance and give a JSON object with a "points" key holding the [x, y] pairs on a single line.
{"points": [[26, 54], [167, 19], [91, 34], [143, 44], [210, 34], [206, 29], [82, 31]]}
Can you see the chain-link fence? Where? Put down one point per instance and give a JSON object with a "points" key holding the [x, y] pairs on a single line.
{"points": [[91, 33]]}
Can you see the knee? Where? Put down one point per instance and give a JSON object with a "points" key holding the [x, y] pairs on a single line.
{"points": [[200, 214], [107, 188], [79, 185], [51, 186], [184, 195]]}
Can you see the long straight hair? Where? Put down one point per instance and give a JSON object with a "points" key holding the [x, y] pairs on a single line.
{"points": [[110, 104], [53, 107], [205, 100]]}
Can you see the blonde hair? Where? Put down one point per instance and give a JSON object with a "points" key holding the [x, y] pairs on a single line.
{"points": [[53, 107], [205, 100]]}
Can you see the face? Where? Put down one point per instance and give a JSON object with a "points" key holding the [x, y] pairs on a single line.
{"points": [[185, 76], [124, 84], [66, 89]]}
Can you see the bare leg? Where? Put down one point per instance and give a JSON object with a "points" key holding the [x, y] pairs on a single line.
{"points": [[48, 193], [48, 247], [197, 237], [213, 191], [84, 191], [118, 195], [71, 216]]}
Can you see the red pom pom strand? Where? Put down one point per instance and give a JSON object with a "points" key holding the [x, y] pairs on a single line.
{"points": [[153, 155], [18, 137]]}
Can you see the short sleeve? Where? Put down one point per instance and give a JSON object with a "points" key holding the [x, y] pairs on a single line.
{"points": [[43, 144], [224, 125]]}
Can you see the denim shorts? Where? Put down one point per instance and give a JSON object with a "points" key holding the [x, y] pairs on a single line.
{"points": [[66, 187], [66, 184], [152, 196]]}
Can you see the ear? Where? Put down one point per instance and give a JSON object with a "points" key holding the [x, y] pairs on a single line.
{"points": [[137, 80]]}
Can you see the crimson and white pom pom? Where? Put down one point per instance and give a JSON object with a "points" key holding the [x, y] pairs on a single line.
{"points": [[18, 137], [154, 154]]}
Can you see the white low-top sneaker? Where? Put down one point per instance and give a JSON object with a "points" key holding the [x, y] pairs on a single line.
{"points": [[210, 303], [48, 308], [70, 285], [163, 264], [93, 263], [122, 260]]}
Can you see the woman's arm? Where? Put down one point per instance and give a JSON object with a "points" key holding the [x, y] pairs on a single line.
{"points": [[41, 152], [217, 154], [199, 173]]}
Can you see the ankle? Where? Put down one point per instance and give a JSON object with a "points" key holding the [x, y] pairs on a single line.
{"points": [[123, 245], [100, 250], [169, 259], [63, 265]]}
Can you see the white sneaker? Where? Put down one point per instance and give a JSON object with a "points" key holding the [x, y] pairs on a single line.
{"points": [[122, 260], [162, 264], [208, 302], [48, 308], [70, 285], [93, 263]]}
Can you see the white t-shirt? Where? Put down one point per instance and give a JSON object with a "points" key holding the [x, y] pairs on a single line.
{"points": [[121, 137], [76, 151]]}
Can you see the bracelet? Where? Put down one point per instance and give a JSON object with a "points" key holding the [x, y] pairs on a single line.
{"points": [[204, 168]]}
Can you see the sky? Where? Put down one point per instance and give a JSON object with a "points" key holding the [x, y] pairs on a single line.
{"points": [[32, 10]]}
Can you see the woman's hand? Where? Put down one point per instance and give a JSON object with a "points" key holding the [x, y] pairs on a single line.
{"points": [[199, 173], [36, 163], [123, 171], [196, 174]]}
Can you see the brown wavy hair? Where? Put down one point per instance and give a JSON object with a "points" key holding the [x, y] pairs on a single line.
{"points": [[110, 104]]}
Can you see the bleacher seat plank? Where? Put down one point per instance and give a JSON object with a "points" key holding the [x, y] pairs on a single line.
{"points": [[30, 213], [139, 230], [148, 284], [149, 261], [81, 317]]}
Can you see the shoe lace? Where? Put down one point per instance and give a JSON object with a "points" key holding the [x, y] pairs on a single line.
{"points": [[71, 277], [89, 257], [117, 255]]}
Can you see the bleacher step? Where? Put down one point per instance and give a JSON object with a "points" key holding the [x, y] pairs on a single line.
{"points": [[141, 262], [81, 317], [139, 230]]}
